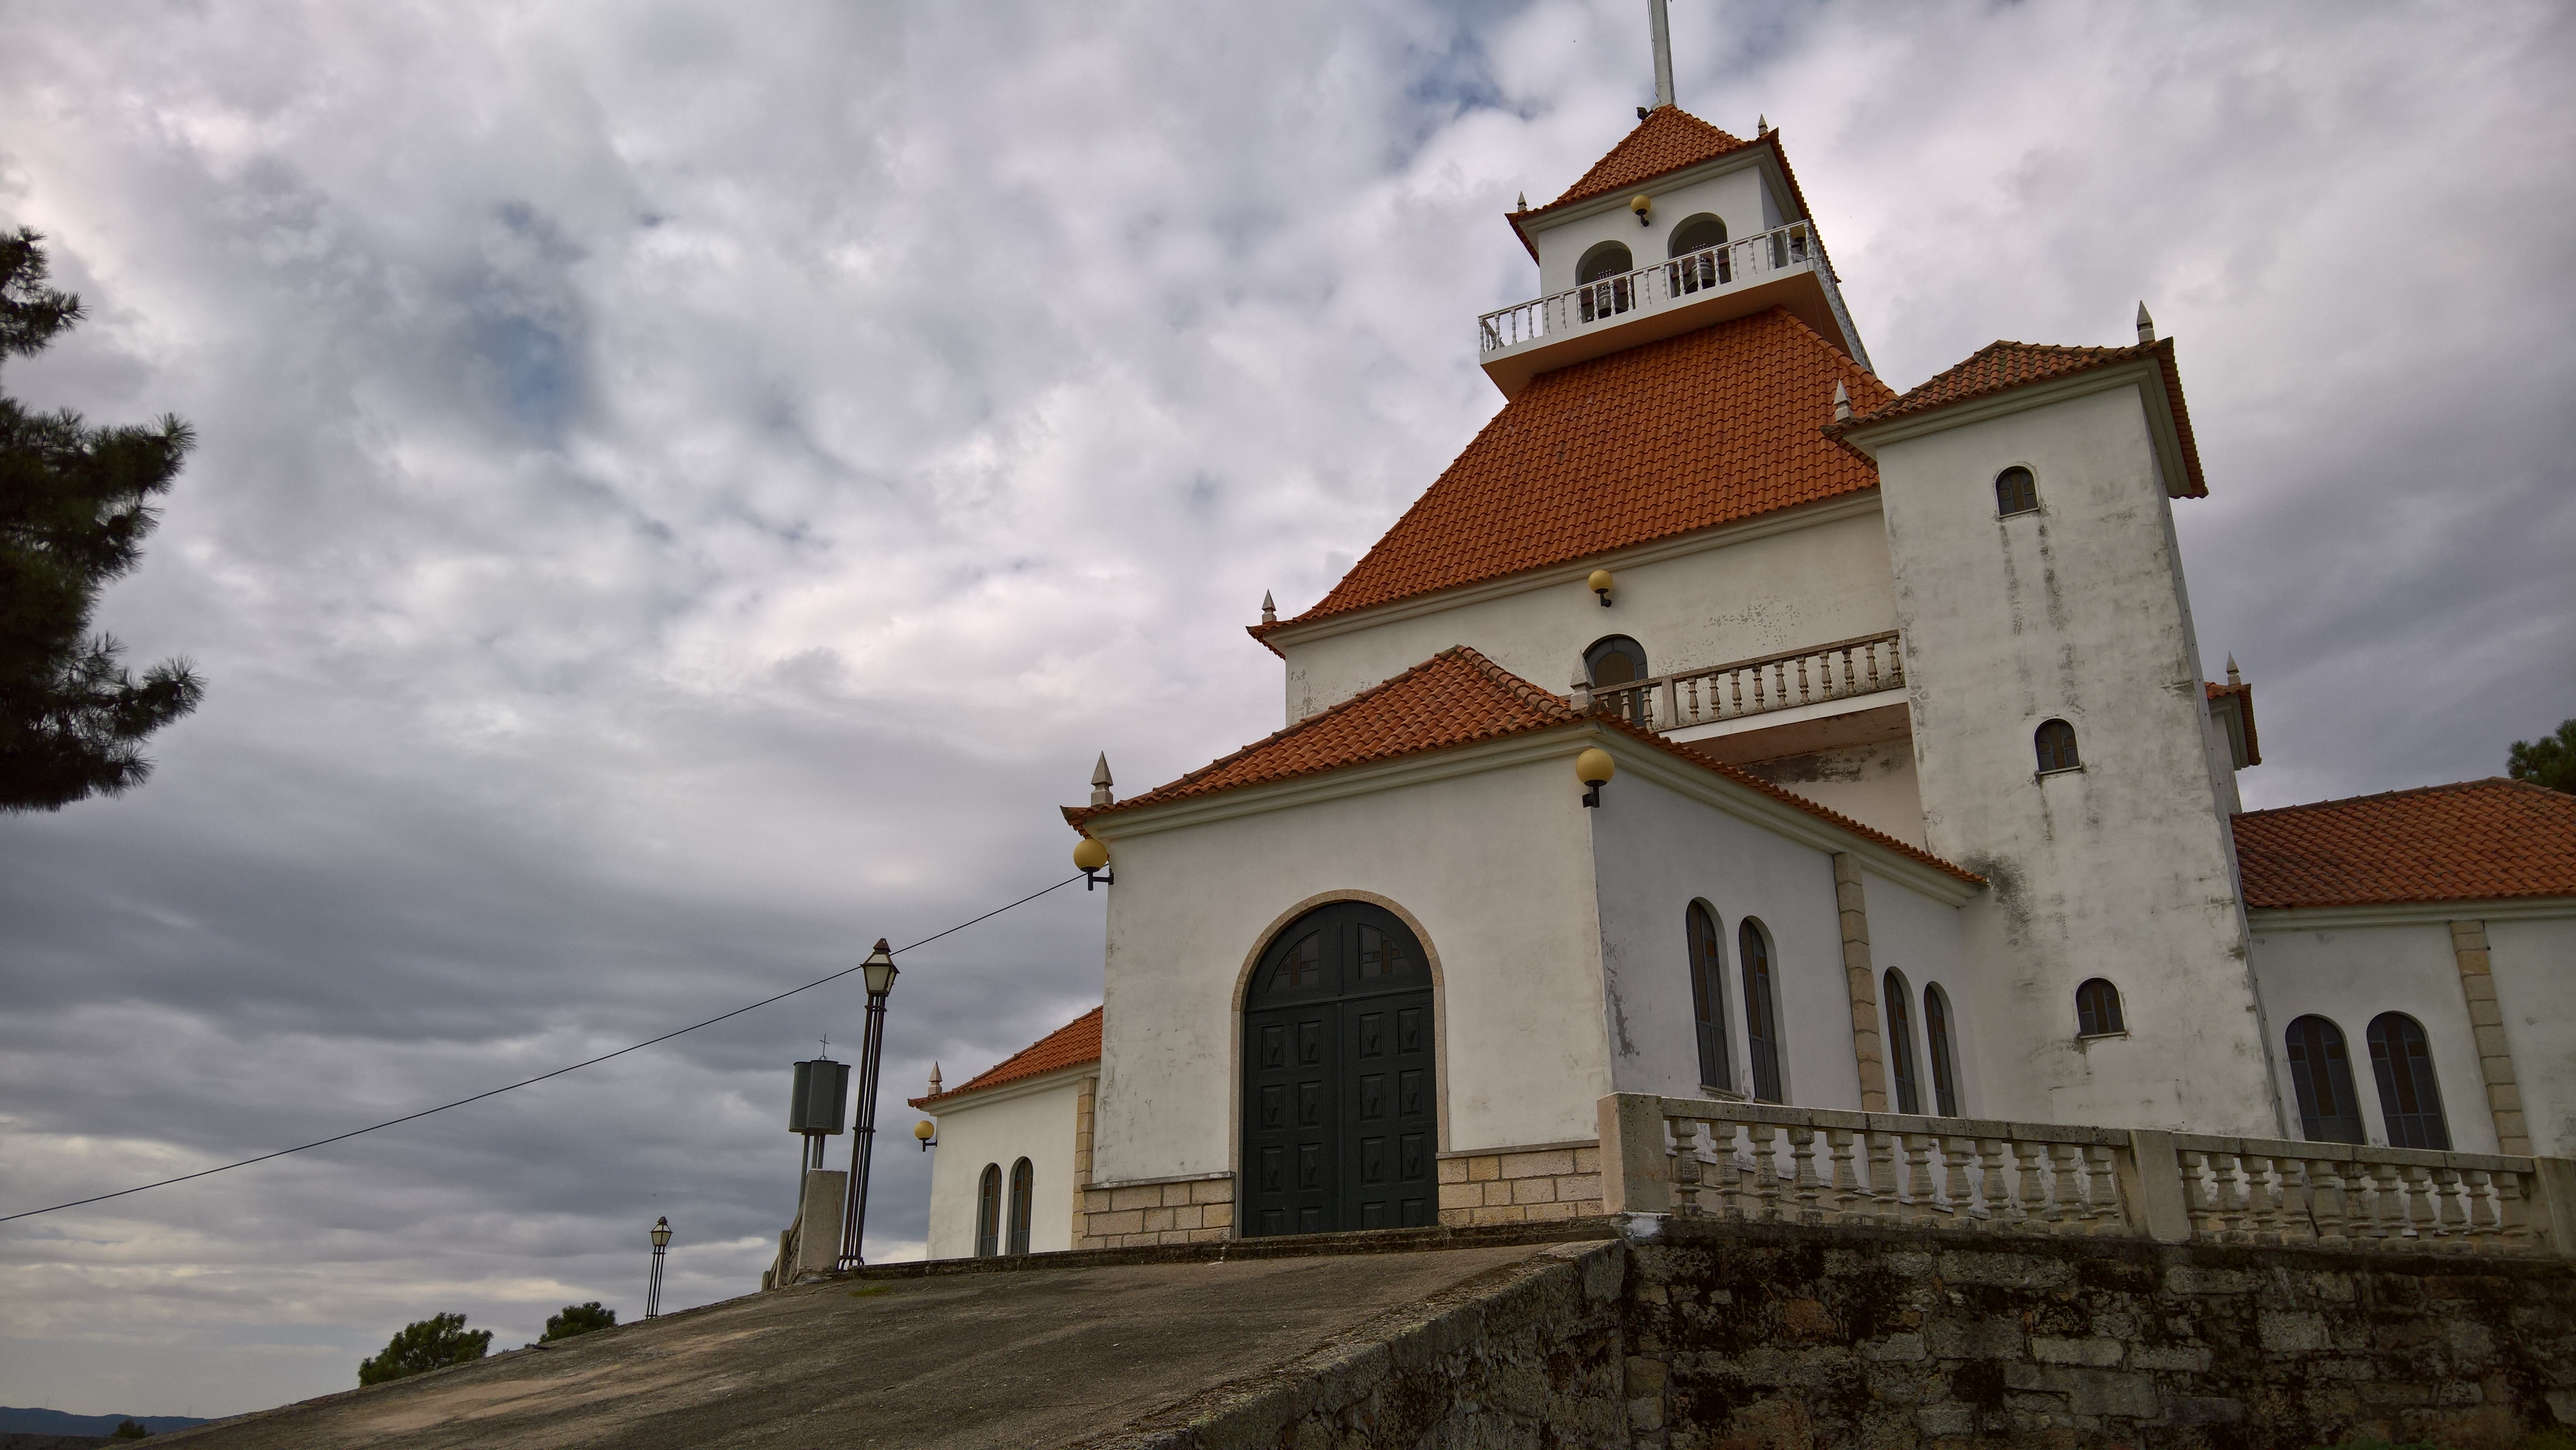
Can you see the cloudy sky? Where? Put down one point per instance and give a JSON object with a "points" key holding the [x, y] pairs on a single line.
{"points": [[687, 488]]}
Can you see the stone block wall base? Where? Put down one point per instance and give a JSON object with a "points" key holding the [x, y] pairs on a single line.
{"points": [[1525, 1185], [1173, 1211]]}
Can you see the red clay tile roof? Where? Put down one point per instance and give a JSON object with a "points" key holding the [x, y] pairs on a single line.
{"points": [[1071, 1045], [1669, 139], [2002, 366], [2480, 840], [1456, 697], [1661, 439]]}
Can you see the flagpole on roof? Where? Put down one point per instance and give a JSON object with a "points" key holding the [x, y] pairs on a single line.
{"points": [[1663, 54]]}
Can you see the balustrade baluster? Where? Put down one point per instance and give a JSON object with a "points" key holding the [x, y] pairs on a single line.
{"points": [[2103, 1213], [2450, 1223], [2263, 1200], [1735, 678], [1847, 1188], [1847, 670], [2513, 1211], [1730, 1173], [1766, 1171], [2480, 1229], [1687, 1176], [2032, 1209], [2419, 1205], [2195, 1195], [2066, 1202], [1802, 681], [2231, 1197], [1922, 1207], [1802, 1159], [1758, 706], [1994, 1198], [1957, 1157], [2329, 1205], [1886, 1205], [2387, 1208]]}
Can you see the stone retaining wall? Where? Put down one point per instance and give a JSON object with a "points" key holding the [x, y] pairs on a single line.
{"points": [[1136, 1215], [1759, 1336]]}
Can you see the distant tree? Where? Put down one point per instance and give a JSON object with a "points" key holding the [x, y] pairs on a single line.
{"points": [[73, 517], [129, 1430], [578, 1319], [2549, 760], [425, 1345]]}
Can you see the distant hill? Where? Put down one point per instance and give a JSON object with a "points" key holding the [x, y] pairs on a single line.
{"points": [[55, 1422]]}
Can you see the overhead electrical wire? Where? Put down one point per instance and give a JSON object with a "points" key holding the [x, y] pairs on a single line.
{"points": [[541, 1077]]}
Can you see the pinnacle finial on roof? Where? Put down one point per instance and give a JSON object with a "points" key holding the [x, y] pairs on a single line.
{"points": [[1269, 610], [2146, 325], [1101, 795], [1761, 125], [1524, 201], [934, 1079], [2233, 677], [1842, 402]]}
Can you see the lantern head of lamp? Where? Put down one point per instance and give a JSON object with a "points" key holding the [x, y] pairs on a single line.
{"points": [[1600, 583], [880, 970], [661, 1233], [1091, 858], [927, 1133], [1640, 205], [1594, 767]]}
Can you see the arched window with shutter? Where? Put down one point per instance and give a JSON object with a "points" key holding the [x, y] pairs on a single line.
{"points": [[2097, 1010], [2410, 1101], [988, 1212], [1023, 1184], [2055, 741], [2016, 492], [1900, 1043], [1945, 1061], [1761, 1010], [1708, 996], [2321, 1079]]}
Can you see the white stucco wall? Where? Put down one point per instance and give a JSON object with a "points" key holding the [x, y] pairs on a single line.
{"points": [[2123, 869], [1873, 784], [1032, 1120], [1740, 198], [2535, 970], [1494, 866], [1927, 941], [1770, 589], [1657, 851], [2349, 975]]}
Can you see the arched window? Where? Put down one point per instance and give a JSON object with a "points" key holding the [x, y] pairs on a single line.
{"points": [[1900, 1044], [2056, 742], [1603, 276], [2321, 1079], [1023, 1180], [1945, 1065], [1698, 250], [1708, 997], [2097, 1010], [1761, 1010], [1615, 660], [2016, 491], [988, 1212], [2409, 1099]]}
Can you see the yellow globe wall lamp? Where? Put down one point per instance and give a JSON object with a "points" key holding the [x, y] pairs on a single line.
{"points": [[927, 1133], [1092, 859], [1594, 767], [1641, 205], [1600, 583]]}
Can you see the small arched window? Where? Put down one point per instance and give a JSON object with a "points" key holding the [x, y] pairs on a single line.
{"points": [[1698, 250], [2016, 491], [1603, 276], [2409, 1099], [1900, 1044], [2321, 1079], [2055, 740], [1708, 996], [1615, 660], [1761, 1009], [1023, 1184], [2097, 1010], [988, 1212], [1945, 1062]]}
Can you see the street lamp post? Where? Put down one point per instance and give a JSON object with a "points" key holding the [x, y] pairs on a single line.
{"points": [[653, 1287], [880, 971]]}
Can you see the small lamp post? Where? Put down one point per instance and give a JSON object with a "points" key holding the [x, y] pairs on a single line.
{"points": [[653, 1287], [880, 972]]}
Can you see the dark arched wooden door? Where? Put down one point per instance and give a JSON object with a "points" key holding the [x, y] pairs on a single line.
{"points": [[1340, 1129]]}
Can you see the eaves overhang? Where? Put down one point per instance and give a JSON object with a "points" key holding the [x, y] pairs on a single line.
{"points": [[1763, 151], [2264, 920], [956, 1099]]}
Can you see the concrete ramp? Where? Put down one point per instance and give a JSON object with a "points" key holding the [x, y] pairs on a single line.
{"points": [[1061, 1350]]}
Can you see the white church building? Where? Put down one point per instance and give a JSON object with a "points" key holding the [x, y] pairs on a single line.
{"points": [[1726, 723]]}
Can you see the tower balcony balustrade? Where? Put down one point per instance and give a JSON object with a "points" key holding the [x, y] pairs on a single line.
{"points": [[1826, 679], [1783, 267]]}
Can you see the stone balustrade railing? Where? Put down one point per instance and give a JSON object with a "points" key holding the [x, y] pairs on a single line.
{"points": [[1708, 694], [1760, 1162]]}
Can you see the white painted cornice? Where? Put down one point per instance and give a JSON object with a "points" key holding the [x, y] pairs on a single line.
{"points": [[2408, 913], [1755, 156], [965, 1098], [1807, 516], [2146, 374]]}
